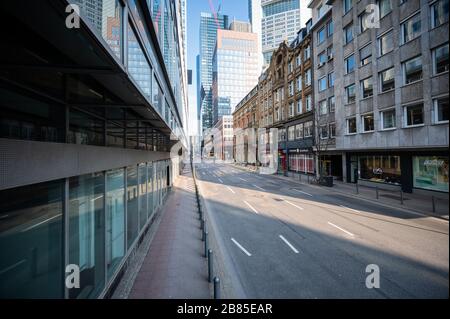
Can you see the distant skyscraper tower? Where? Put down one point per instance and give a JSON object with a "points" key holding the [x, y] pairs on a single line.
{"points": [[277, 20], [235, 67], [209, 24]]}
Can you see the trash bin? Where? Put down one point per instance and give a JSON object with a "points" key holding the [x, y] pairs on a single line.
{"points": [[327, 181]]}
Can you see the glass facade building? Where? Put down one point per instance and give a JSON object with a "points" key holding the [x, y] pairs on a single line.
{"points": [[209, 24], [235, 70], [89, 121]]}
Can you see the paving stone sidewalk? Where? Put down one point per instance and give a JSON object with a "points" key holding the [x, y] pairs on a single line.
{"points": [[174, 267]]}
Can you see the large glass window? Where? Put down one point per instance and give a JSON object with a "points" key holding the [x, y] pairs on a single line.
{"points": [[350, 93], [380, 168], [138, 65], [31, 246], [411, 28], [413, 115], [368, 122], [132, 205], [440, 59], [440, 108], [412, 70], [348, 33], [365, 54], [323, 83], [385, 7], [321, 35], [25, 118], [150, 203], [85, 128], [347, 5], [386, 42], [439, 13], [387, 80], [367, 87], [142, 195], [349, 64], [115, 219], [87, 233], [431, 172], [351, 125], [388, 119]]}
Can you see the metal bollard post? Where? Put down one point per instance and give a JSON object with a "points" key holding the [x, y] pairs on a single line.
{"points": [[433, 201], [206, 244], [376, 190], [300, 177], [401, 196], [216, 288], [357, 188], [210, 265], [308, 178]]}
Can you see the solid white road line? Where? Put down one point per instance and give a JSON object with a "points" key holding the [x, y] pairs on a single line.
{"points": [[231, 190], [302, 192], [292, 204], [347, 232], [357, 211], [240, 247], [258, 187], [243, 179], [220, 180], [251, 207], [289, 244]]}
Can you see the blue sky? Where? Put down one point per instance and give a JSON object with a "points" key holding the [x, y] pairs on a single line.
{"points": [[233, 8]]}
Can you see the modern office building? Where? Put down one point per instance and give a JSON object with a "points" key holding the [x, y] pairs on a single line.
{"points": [[392, 100], [209, 24], [254, 16], [277, 21], [235, 70], [91, 134]]}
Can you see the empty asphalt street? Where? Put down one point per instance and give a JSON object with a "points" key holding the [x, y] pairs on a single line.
{"points": [[283, 239]]}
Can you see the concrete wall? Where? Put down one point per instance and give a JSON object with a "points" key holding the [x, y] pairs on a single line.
{"points": [[29, 162]]}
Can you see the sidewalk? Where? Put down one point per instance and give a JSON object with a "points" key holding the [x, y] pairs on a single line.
{"points": [[174, 266], [417, 203]]}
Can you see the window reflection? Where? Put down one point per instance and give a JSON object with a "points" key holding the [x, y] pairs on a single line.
{"points": [[138, 65], [115, 219], [132, 205], [87, 233], [142, 195], [31, 241]]}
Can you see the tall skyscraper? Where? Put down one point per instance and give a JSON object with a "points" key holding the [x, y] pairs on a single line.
{"points": [[276, 21], [235, 70], [209, 24], [254, 15]]}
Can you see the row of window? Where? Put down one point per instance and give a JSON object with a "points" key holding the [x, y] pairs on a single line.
{"points": [[411, 72], [413, 115]]}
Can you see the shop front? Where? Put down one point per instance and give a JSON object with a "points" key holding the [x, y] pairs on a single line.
{"points": [[430, 173], [408, 171], [301, 161]]}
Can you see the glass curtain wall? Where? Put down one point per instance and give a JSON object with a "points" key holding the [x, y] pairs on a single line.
{"points": [[87, 233], [151, 209], [142, 195], [115, 219], [31, 250], [132, 205]]}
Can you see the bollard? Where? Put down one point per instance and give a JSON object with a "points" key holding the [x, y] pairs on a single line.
{"points": [[216, 288], [401, 196], [210, 265], [376, 190], [433, 202], [308, 178], [206, 244], [204, 233], [300, 177], [357, 188]]}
